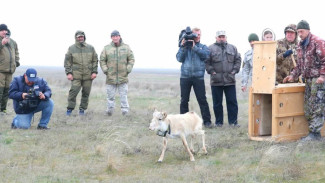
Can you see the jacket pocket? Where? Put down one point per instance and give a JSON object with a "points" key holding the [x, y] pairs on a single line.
{"points": [[230, 56], [216, 78], [229, 78]]}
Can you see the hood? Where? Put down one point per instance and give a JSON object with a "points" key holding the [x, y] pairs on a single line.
{"points": [[79, 32]]}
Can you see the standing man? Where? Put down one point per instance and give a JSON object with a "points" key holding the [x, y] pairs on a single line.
{"points": [[9, 60], [30, 95], [223, 63], [81, 62], [192, 54], [248, 62], [311, 64], [116, 61], [285, 48]]}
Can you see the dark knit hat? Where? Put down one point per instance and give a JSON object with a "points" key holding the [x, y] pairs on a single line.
{"points": [[3, 27], [115, 33], [303, 24], [253, 37]]}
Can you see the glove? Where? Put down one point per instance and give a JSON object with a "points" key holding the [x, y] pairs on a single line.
{"points": [[287, 53]]}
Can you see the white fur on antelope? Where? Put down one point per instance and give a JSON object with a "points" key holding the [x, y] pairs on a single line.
{"points": [[178, 125]]}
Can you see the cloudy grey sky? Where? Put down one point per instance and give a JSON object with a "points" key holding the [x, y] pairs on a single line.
{"points": [[44, 29]]}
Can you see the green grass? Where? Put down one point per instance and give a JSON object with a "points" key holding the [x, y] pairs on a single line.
{"points": [[99, 148]]}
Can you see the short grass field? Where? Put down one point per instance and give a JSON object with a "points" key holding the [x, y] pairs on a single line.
{"points": [[101, 148]]}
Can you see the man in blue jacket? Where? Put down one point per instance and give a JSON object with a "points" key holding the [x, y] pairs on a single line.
{"points": [[30, 95], [192, 54]]}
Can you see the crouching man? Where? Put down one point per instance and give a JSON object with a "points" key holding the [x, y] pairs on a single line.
{"points": [[30, 95]]}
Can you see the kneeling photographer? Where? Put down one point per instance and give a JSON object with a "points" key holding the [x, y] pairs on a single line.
{"points": [[30, 95], [192, 54]]}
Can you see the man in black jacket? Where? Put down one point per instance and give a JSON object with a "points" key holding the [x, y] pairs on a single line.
{"points": [[222, 64]]}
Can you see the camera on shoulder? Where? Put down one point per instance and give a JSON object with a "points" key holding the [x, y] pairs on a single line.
{"points": [[188, 35]]}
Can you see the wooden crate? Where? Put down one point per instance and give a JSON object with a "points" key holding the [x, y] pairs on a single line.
{"points": [[276, 112]]}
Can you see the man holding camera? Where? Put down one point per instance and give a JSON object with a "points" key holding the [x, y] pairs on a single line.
{"points": [[192, 54], [9, 59], [222, 64], [30, 95]]}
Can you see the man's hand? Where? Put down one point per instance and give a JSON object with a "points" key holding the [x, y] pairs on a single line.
{"points": [[5, 40], [288, 78], [93, 76], [183, 41], [24, 95], [243, 88], [320, 80], [41, 96], [70, 77]]}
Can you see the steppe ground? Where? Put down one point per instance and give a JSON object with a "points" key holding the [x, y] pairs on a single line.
{"points": [[101, 148]]}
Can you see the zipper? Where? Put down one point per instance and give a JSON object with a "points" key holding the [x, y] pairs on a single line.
{"points": [[10, 58], [117, 65]]}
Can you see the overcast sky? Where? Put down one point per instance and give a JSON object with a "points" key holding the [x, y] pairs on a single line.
{"points": [[45, 29]]}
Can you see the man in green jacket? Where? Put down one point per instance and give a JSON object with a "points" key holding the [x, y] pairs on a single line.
{"points": [[81, 63], [9, 60], [116, 61]]}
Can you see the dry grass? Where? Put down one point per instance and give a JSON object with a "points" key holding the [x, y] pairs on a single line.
{"points": [[98, 148]]}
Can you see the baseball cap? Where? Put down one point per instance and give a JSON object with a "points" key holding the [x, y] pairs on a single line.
{"points": [[221, 33], [31, 74]]}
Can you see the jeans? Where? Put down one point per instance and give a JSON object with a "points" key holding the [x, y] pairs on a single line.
{"points": [[24, 120], [231, 100], [199, 90]]}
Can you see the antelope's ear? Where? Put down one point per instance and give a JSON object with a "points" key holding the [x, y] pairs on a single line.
{"points": [[164, 114], [155, 109]]}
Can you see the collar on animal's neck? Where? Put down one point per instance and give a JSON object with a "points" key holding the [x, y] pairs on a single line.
{"points": [[164, 133]]}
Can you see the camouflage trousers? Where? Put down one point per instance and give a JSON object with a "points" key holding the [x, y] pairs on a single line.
{"points": [[5, 80], [123, 91], [76, 86], [314, 104]]}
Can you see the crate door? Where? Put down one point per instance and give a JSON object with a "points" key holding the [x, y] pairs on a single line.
{"points": [[264, 66]]}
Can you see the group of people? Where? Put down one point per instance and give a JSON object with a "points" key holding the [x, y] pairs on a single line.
{"points": [[32, 94], [221, 60], [294, 59]]}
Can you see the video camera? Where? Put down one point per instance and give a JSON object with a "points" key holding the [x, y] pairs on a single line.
{"points": [[188, 35], [31, 100]]}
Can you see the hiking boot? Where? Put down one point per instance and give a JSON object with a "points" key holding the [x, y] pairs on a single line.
{"points": [[234, 125], [125, 113], [312, 136], [219, 125], [69, 111], [109, 113], [208, 125], [42, 128], [81, 112]]}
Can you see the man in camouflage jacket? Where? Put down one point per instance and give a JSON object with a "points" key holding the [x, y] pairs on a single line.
{"points": [[9, 60], [285, 48], [116, 61], [81, 65], [311, 64], [248, 62]]}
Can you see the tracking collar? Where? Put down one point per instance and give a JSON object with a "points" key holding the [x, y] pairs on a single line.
{"points": [[163, 134]]}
